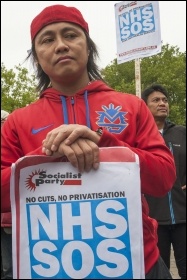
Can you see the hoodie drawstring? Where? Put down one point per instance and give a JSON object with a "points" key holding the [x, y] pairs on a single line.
{"points": [[65, 112], [64, 109], [169, 194]]}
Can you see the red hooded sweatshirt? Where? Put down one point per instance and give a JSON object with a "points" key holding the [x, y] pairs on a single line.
{"points": [[126, 121]]}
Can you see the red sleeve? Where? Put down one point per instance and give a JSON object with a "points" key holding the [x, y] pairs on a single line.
{"points": [[5, 182], [10, 153]]}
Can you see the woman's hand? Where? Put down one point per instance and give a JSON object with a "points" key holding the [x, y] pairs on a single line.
{"points": [[70, 133], [82, 153]]}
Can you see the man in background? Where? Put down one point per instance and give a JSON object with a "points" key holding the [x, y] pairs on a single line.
{"points": [[6, 233], [170, 210]]}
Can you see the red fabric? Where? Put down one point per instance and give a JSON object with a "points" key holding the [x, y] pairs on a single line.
{"points": [[6, 219], [57, 13], [140, 135]]}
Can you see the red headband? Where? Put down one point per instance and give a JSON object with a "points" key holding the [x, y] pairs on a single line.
{"points": [[57, 13]]}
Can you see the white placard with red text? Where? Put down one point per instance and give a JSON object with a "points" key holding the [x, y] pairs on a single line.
{"points": [[71, 225]]}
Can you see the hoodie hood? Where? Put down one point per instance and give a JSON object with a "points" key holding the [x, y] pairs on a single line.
{"points": [[94, 87]]}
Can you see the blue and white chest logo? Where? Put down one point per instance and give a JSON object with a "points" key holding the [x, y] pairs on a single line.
{"points": [[112, 119]]}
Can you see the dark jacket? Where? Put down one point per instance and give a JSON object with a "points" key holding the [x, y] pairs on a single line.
{"points": [[171, 209]]}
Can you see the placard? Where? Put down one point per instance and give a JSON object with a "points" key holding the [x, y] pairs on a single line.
{"points": [[138, 32], [72, 225]]}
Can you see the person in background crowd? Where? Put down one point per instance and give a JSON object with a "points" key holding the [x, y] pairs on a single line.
{"points": [[170, 210], [6, 232], [77, 113]]}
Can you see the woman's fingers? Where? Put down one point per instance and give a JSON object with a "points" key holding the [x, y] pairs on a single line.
{"points": [[68, 133], [86, 154], [95, 156], [55, 137], [82, 154]]}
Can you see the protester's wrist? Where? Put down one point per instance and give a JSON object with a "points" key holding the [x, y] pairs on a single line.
{"points": [[99, 131]]}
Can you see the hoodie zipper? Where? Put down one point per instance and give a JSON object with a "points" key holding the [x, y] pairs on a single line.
{"points": [[169, 193], [73, 103]]}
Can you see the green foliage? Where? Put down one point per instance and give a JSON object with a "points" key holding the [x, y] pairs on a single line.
{"points": [[167, 68], [17, 88]]}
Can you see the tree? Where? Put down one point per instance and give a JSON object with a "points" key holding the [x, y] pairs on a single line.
{"points": [[17, 88], [167, 68]]}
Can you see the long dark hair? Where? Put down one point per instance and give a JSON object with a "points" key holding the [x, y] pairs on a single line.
{"points": [[92, 67]]}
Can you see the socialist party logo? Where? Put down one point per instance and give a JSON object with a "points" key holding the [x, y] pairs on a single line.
{"points": [[39, 178]]}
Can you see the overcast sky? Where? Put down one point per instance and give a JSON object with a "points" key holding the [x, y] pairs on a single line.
{"points": [[16, 17]]}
